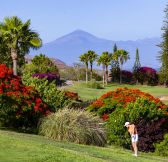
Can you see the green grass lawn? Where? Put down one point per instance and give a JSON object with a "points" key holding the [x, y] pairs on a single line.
{"points": [[19, 147], [89, 93]]}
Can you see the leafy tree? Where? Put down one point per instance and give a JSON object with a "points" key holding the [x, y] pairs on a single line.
{"points": [[76, 68], [19, 38], [115, 68], [137, 65], [115, 48], [163, 57], [104, 59], [70, 74], [85, 59], [41, 67], [78, 73], [44, 64], [123, 56], [92, 57]]}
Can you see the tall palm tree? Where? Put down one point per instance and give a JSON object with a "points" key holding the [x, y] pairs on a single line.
{"points": [[85, 59], [105, 60], [122, 56], [19, 38], [100, 61], [92, 58]]}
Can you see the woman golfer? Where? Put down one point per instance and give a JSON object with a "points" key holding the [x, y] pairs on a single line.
{"points": [[134, 136]]}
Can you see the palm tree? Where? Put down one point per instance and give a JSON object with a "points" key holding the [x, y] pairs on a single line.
{"points": [[105, 60], [122, 56], [4, 57], [19, 38], [92, 58], [85, 59], [100, 61], [77, 66]]}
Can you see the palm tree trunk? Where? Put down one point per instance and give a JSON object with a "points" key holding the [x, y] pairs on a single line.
{"points": [[86, 74], [14, 59], [106, 74], [121, 75], [103, 74], [91, 71]]}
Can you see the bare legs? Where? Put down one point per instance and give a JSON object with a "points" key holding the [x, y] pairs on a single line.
{"points": [[135, 148]]}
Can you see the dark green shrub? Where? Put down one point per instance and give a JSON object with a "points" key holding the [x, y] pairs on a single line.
{"points": [[162, 147], [74, 126]]}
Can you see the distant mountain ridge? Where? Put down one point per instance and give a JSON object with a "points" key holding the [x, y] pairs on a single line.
{"points": [[69, 47]]}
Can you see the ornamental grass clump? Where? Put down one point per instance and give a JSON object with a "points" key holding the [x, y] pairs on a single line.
{"points": [[74, 126]]}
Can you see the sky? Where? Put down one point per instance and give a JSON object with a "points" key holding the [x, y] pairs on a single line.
{"points": [[109, 19]]}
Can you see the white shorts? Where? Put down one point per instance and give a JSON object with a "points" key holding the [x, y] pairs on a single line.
{"points": [[134, 138]]}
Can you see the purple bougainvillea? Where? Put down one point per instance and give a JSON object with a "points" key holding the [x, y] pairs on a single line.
{"points": [[49, 76], [147, 70], [127, 76], [148, 75]]}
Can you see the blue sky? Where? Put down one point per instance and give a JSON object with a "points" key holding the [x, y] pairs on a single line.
{"points": [[110, 19]]}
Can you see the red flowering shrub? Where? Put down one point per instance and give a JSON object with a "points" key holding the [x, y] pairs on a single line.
{"points": [[20, 106], [72, 95], [119, 98], [147, 75], [149, 114]]}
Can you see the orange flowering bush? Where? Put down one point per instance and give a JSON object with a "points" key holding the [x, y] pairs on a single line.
{"points": [[20, 106], [148, 113], [72, 95], [120, 98]]}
